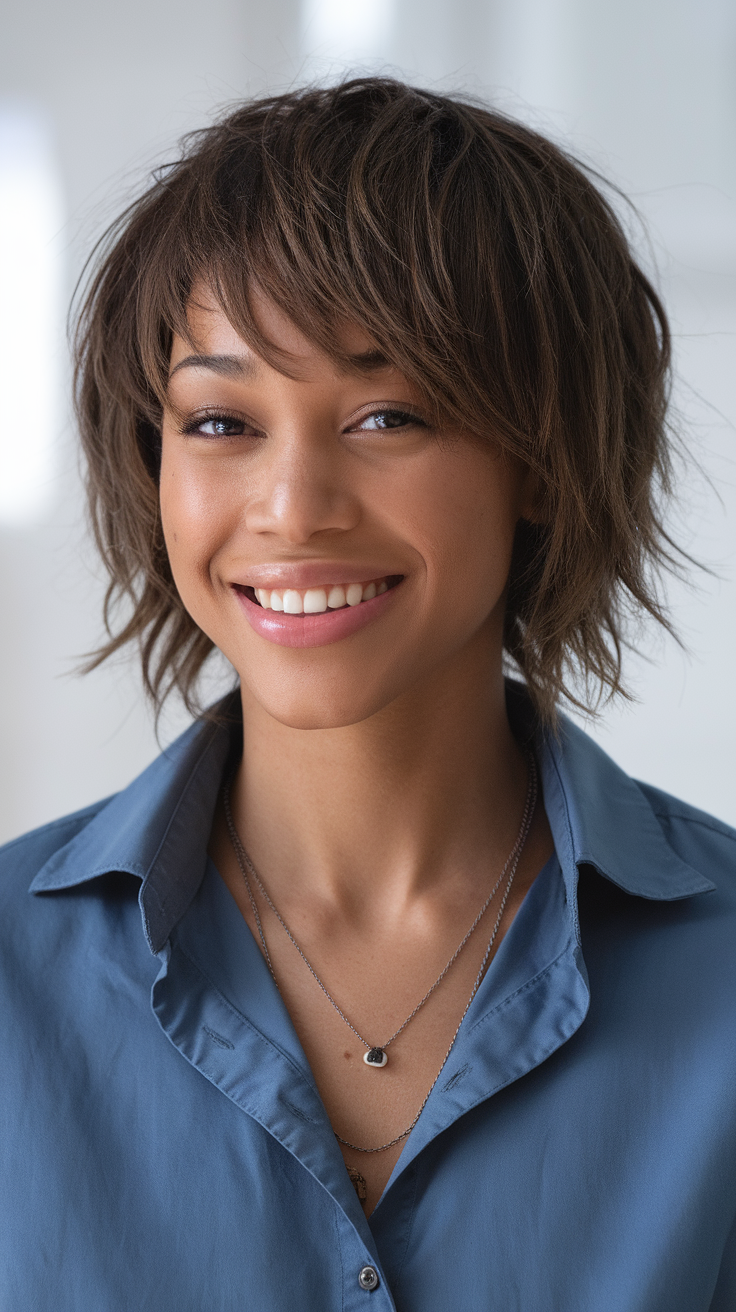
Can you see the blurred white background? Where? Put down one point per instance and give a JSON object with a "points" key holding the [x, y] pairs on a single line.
{"points": [[93, 94]]}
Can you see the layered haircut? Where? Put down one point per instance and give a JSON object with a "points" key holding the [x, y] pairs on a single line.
{"points": [[484, 263]]}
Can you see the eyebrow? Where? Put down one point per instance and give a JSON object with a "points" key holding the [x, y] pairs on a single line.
{"points": [[365, 362], [242, 366], [228, 366]]}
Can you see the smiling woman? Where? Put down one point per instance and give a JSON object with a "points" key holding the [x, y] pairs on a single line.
{"points": [[383, 980], [472, 257], [327, 485]]}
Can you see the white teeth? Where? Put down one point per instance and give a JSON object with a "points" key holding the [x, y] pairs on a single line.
{"points": [[292, 602], [315, 601]]}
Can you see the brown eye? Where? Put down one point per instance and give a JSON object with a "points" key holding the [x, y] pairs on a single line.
{"points": [[217, 426], [385, 419]]}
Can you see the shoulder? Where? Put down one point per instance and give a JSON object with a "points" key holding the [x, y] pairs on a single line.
{"points": [[672, 810], [700, 839], [23, 857]]}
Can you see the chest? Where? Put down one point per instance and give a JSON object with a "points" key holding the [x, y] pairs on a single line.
{"points": [[586, 1183], [370, 1106], [396, 987]]}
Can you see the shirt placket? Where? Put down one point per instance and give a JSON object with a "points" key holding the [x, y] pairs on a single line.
{"points": [[260, 1079]]}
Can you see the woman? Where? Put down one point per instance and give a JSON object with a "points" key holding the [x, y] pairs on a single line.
{"points": [[383, 985]]}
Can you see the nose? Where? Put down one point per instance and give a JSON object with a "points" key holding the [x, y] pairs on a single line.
{"points": [[301, 488]]}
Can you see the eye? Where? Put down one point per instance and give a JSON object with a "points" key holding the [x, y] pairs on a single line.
{"points": [[381, 420], [217, 425]]}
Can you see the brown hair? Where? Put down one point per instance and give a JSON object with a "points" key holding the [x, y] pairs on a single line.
{"points": [[485, 265]]}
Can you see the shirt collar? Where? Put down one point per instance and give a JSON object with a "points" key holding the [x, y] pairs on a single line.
{"points": [[157, 828], [598, 815]]}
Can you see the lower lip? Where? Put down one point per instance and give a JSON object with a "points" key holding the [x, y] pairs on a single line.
{"points": [[313, 630]]}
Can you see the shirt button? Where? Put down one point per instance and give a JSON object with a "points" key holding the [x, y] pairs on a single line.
{"points": [[368, 1278]]}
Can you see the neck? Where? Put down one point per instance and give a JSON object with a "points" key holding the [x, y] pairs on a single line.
{"points": [[379, 813]]}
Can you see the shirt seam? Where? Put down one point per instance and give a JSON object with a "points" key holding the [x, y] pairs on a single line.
{"points": [[410, 1222], [722, 830], [335, 1217], [563, 794], [87, 813]]}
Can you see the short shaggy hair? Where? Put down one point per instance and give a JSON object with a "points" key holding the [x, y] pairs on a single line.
{"points": [[486, 266]]}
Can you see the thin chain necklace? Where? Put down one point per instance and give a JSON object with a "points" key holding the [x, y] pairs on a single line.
{"points": [[376, 1056]]}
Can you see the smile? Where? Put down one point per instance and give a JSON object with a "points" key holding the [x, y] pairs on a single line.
{"points": [[314, 601], [316, 616]]}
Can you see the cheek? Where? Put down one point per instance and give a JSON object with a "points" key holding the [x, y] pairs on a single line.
{"points": [[465, 518], [194, 517]]}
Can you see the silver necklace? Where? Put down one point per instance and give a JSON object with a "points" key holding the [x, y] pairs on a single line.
{"points": [[376, 1056]]}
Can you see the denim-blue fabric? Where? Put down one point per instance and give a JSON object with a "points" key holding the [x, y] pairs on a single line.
{"points": [[163, 1147]]}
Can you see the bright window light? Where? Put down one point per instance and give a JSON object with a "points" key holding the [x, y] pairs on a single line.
{"points": [[31, 337], [347, 30]]}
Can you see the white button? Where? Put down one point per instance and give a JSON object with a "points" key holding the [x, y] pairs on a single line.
{"points": [[368, 1278]]}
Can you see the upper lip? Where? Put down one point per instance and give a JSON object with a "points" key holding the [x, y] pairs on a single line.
{"points": [[309, 574]]}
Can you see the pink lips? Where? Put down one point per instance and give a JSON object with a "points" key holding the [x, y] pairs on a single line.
{"points": [[312, 630]]}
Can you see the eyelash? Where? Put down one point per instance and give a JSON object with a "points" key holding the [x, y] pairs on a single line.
{"points": [[194, 426], [407, 415]]}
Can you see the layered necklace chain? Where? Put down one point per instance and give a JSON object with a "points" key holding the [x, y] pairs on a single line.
{"points": [[375, 1056]]}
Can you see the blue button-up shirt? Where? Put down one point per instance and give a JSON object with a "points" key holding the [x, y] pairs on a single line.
{"points": [[164, 1146]]}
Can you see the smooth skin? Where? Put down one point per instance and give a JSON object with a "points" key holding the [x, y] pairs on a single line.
{"points": [[381, 789]]}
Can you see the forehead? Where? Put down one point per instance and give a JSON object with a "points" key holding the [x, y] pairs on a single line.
{"points": [[210, 333]]}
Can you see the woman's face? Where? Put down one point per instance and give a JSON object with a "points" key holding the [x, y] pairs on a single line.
{"points": [[339, 550]]}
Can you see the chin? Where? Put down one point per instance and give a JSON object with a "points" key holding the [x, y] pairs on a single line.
{"points": [[311, 719], [322, 706]]}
